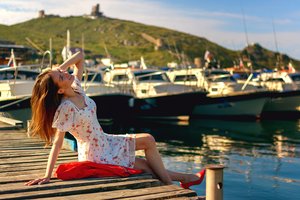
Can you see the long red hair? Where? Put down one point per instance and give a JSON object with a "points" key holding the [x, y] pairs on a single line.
{"points": [[44, 102]]}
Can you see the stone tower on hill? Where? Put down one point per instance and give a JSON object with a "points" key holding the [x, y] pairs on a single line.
{"points": [[95, 11]]}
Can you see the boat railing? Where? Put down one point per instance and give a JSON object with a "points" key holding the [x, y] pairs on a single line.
{"points": [[277, 82], [50, 59], [247, 81], [85, 79]]}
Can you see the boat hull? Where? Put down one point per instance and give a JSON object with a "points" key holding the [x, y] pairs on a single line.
{"points": [[174, 107], [282, 105], [108, 105], [112, 105], [241, 106]]}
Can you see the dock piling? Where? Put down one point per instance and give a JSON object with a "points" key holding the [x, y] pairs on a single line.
{"points": [[214, 182]]}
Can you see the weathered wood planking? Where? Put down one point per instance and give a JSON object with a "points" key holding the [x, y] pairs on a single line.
{"points": [[23, 159], [11, 121]]}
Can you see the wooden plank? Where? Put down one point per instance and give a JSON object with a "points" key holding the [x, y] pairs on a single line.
{"points": [[34, 155], [27, 167], [81, 189], [12, 135], [190, 198], [18, 139], [15, 161], [25, 178], [165, 195], [15, 187], [24, 159], [11, 121], [120, 194], [47, 149], [19, 145]]}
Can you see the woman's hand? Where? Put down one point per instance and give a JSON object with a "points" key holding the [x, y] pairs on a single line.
{"points": [[38, 181]]}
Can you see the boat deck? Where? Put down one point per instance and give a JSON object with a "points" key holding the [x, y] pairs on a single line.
{"points": [[23, 159]]}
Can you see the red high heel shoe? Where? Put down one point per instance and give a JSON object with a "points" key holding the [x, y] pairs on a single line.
{"points": [[200, 174]]}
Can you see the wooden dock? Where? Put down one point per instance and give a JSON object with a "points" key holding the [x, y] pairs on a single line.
{"points": [[23, 159]]}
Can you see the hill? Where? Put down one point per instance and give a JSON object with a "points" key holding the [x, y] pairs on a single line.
{"points": [[127, 40]]}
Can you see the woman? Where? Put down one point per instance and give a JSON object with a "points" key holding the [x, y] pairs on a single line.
{"points": [[59, 105]]}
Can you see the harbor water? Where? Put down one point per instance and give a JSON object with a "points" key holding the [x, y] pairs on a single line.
{"points": [[261, 158]]}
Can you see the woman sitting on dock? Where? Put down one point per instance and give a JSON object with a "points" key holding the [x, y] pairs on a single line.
{"points": [[59, 104]]}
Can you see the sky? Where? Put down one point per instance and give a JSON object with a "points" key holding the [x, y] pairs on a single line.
{"points": [[274, 24]]}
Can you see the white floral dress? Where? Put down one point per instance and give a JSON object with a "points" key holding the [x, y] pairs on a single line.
{"points": [[93, 144]]}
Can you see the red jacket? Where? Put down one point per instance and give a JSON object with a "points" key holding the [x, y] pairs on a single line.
{"points": [[87, 169]]}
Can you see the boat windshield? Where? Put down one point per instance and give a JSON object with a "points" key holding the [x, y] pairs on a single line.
{"points": [[181, 78], [151, 76], [295, 77], [222, 78], [120, 77]]}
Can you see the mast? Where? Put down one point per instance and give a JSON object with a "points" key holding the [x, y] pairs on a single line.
{"points": [[245, 27], [278, 57], [68, 44], [50, 49], [249, 64]]}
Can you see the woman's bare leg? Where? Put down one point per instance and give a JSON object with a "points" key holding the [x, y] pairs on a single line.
{"points": [[153, 163], [147, 143], [175, 176]]}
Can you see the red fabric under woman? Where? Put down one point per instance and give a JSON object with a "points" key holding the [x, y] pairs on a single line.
{"points": [[87, 169]]}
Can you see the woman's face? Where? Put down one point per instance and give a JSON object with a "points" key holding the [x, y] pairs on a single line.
{"points": [[62, 79]]}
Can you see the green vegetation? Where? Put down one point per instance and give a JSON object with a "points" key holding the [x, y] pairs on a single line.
{"points": [[124, 41]]}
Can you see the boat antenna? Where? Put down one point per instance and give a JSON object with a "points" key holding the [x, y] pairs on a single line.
{"points": [[177, 53], [247, 39], [50, 56], [276, 45], [245, 27], [50, 52]]}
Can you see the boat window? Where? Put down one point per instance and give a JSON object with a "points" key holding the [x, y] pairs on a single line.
{"points": [[7, 75], [179, 78], [120, 77], [29, 75], [222, 79], [275, 80], [23, 75], [214, 73], [95, 78], [151, 76], [155, 77], [295, 77]]}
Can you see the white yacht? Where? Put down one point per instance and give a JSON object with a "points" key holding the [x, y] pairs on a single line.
{"points": [[226, 98], [154, 95], [111, 101], [284, 99], [16, 88]]}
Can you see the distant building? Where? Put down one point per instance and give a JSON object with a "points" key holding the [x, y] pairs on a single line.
{"points": [[95, 12], [41, 14]]}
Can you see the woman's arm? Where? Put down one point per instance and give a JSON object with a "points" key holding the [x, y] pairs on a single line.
{"points": [[57, 144], [76, 59]]}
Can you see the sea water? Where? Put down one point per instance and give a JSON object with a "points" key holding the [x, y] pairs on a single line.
{"points": [[261, 158]]}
